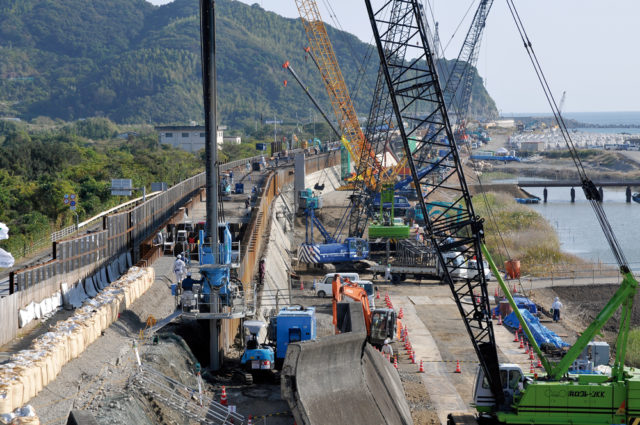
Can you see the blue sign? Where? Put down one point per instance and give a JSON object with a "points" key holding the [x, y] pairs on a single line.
{"points": [[73, 203]]}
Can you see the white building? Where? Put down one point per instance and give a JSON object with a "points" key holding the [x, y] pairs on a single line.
{"points": [[234, 140], [188, 137]]}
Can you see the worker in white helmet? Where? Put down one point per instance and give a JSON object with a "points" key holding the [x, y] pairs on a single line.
{"points": [[179, 268], [387, 349]]}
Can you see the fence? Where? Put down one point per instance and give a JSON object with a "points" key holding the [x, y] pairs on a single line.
{"points": [[122, 231], [76, 257]]}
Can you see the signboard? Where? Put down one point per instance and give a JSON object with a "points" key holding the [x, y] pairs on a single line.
{"points": [[159, 186], [261, 146], [70, 199], [121, 187]]}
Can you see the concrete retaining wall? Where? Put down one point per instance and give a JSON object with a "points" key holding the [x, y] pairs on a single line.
{"points": [[341, 379]]}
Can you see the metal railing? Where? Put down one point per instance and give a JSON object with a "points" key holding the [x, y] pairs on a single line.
{"points": [[191, 402]]}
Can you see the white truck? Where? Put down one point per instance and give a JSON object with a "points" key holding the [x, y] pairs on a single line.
{"points": [[324, 288], [401, 271]]}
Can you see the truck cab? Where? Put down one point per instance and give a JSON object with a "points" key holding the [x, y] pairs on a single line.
{"points": [[513, 382]]}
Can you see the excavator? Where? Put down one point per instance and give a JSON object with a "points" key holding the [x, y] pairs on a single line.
{"points": [[503, 394], [382, 323]]}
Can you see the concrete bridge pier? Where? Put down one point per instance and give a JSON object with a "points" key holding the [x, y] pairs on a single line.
{"points": [[573, 195], [628, 194]]}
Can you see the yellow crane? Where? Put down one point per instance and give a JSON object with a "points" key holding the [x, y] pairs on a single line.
{"points": [[352, 136]]}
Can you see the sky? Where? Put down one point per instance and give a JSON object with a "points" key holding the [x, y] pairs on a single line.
{"points": [[586, 48]]}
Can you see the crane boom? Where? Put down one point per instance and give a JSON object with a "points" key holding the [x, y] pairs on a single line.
{"points": [[336, 88], [462, 233], [461, 76]]}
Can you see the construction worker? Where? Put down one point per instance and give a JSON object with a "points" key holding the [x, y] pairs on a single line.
{"points": [[387, 273], [387, 349], [556, 307], [179, 268]]}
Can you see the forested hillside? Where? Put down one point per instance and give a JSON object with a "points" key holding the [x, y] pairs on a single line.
{"points": [[38, 166], [134, 62]]}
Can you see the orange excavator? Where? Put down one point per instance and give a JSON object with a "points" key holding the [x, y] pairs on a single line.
{"points": [[381, 323]]}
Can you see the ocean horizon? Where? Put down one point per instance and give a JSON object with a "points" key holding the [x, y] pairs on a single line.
{"points": [[619, 118]]}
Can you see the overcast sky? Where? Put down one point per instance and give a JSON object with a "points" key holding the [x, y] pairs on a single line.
{"points": [[586, 47]]}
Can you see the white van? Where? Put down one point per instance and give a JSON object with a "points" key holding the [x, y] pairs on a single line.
{"points": [[324, 288]]}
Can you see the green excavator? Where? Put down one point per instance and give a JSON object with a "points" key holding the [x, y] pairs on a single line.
{"points": [[503, 393]]}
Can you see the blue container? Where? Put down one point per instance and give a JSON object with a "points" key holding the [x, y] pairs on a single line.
{"points": [[294, 324], [261, 146], [239, 188]]}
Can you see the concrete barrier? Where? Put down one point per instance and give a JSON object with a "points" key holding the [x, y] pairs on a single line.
{"points": [[341, 379]]}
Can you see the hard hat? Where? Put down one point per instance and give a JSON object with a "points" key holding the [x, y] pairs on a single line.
{"points": [[179, 257], [189, 274], [386, 341]]}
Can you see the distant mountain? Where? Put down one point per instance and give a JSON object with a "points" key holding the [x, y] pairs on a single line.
{"points": [[134, 62]]}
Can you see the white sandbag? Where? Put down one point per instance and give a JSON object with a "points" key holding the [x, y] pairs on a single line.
{"points": [[37, 312], [89, 289], [26, 315], [6, 259], [4, 231], [56, 299]]}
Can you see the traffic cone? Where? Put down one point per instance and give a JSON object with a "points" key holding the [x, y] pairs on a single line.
{"points": [[395, 362], [301, 285], [515, 339], [250, 421], [531, 369], [499, 319], [539, 363], [377, 294], [223, 397], [521, 344], [413, 357], [531, 357], [401, 314], [458, 367], [495, 294], [526, 349], [421, 370]]}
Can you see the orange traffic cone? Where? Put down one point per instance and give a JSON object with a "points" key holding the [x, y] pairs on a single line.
{"points": [[514, 289], [223, 397], [515, 339], [526, 349], [395, 362], [539, 363], [301, 285], [250, 421], [521, 344], [421, 370], [400, 314], [531, 354], [531, 369], [519, 327], [413, 357], [495, 294], [499, 320], [458, 367], [377, 294]]}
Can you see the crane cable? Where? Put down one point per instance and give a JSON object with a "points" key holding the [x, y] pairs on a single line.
{"points": [[589, 188]]}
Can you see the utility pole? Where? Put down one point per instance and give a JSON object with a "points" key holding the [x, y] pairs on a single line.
{"points": [[209, 92]]}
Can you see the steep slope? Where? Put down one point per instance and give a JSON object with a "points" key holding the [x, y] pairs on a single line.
{"points": [[134, 62]]}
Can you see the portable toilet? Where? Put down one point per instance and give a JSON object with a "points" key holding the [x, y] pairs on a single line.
{"points": [[294, 324]]}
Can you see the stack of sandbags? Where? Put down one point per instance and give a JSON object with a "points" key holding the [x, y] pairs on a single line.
{"points": [[28, 371], [22, 416]]}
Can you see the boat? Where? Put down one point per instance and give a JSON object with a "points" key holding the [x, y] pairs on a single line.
{"points": [[534, 200], [636, 197]]}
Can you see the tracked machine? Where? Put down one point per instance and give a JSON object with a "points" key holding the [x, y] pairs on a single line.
{"points": [[503, 393]]}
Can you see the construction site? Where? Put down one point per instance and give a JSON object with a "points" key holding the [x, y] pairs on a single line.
{"points": [[347, 282]]}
